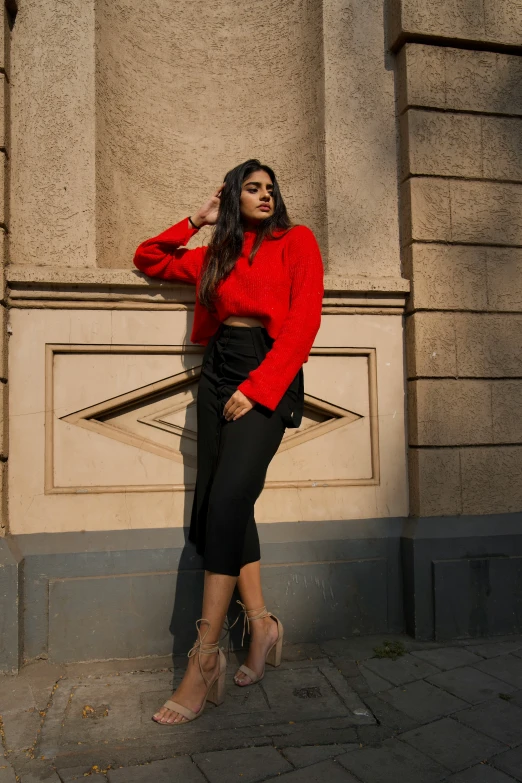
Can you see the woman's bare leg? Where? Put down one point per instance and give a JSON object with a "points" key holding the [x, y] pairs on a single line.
{"points": [[217, 593], [263, 632]]}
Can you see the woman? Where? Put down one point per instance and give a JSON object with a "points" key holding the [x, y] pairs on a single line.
{"points": [[259, 289]]}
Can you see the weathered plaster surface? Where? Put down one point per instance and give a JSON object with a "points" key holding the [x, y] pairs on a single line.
{"points": [[183, 95], [360, 139], [52, 111]]}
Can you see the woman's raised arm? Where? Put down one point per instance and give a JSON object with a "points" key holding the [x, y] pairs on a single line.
{"points": [[164, 255]]}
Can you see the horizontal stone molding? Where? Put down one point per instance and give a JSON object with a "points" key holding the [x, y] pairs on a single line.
{"points": [[460, 145], [443, 77], [486, 22], [462, 211], [464, 412], [463, 277], [127, 289], [464, 345]]}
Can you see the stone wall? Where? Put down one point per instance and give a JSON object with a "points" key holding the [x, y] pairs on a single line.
{"points": [[460, 114], [7, 17]]}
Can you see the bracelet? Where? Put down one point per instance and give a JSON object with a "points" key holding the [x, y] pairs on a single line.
{"points": [[193, 224]]}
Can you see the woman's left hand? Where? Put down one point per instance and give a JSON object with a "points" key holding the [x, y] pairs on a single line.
{"points": [[237, 405]]}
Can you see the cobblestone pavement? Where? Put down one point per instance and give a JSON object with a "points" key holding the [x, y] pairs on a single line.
{"points": [[333, 711]]}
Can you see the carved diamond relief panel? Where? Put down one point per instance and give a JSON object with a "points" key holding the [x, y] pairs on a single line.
{"points": [[123, 418]]}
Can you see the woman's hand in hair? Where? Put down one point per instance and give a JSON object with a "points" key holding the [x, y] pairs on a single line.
{"points": [[237, 405], [207, 215]]}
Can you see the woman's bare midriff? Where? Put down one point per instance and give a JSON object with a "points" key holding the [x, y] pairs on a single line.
{"points": [[234, 320]]}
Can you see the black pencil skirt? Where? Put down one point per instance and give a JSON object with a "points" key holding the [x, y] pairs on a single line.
{"points": [[233, 456]]}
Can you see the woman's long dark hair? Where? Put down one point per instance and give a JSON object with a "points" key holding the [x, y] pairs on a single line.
{"points": [[227, 239]]}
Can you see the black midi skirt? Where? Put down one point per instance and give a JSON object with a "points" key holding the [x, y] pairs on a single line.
{"points": [[233, 456]]}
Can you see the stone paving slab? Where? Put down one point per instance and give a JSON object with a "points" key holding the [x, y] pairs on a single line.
{"points": [[313, 754], [510, 762], [312, 732], [318, 773], [515, 698], [306, 694], [499, 719], [482, 773], [389, 718], [493, 649], [422, 702], [374, 683], [166, 771], [50, 777], [470, 684], [448, 657], [71, 774], [506, 667], [242, 766], [393, 762], [405, 669], [7, 774], [454, 745]]}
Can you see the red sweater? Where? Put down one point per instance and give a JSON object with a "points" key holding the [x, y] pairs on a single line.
{"points": [[283, 287]]}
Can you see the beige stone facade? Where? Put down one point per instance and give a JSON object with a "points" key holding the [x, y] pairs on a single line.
{"points": [[129, 148], [396, 137]]}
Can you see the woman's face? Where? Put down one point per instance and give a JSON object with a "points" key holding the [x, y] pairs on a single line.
{"points": [[257, 199]]}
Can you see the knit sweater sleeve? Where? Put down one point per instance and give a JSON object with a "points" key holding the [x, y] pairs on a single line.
{"points": [[270, 380], [163, 256]]}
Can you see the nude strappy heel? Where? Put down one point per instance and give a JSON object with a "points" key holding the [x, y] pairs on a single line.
{"points": [[215, 687], [273, 655]]}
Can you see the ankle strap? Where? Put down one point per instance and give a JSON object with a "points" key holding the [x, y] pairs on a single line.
{"points": [[247, 617], [200, 647], [262, 612]]}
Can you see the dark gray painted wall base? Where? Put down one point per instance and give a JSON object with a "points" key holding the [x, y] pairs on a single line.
{"points": [[122, 594]]}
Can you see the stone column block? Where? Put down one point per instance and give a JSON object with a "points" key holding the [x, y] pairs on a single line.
{"points": [[491, 482], [446, 277], [463, 79], [485, 212], [486, 82], [502, 147], [488, 345], [425, 210], [430, 345], [503, 21], [506, 406], [450, 412], [420, 76], [440, 18], [504, 278], [488, 21], [440, 144], [434, 482]]}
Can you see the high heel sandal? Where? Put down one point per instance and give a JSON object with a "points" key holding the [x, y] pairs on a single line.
{"points": [[273, 655], [215, 686]]}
